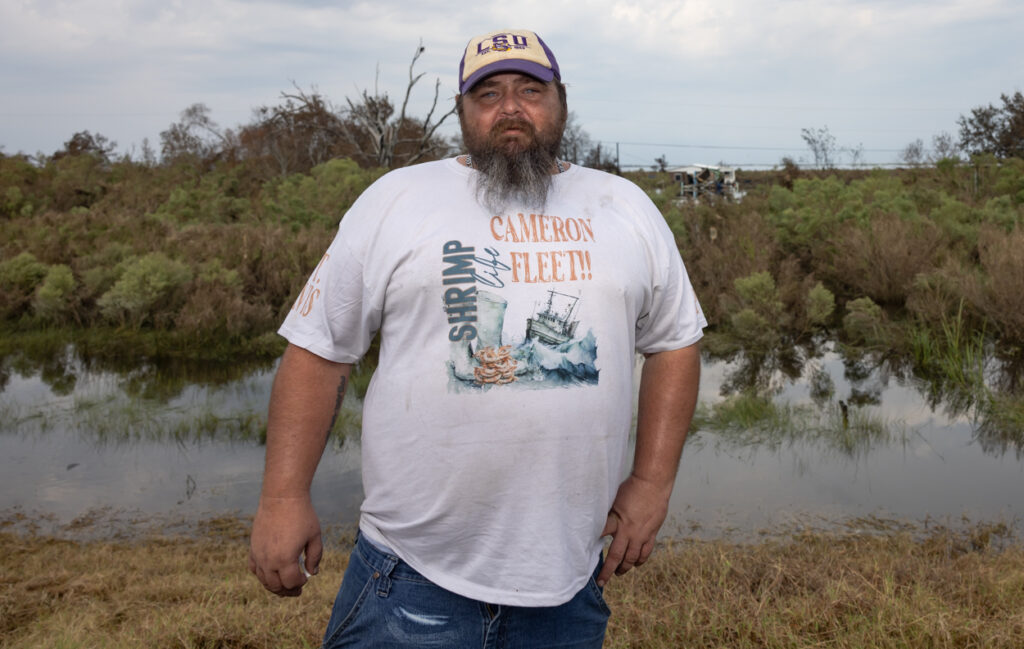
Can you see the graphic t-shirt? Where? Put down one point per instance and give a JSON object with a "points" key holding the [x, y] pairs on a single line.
{"points": [[496, 426]]}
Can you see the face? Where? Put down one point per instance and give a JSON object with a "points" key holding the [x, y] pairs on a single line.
{"points": [[511, 112]]}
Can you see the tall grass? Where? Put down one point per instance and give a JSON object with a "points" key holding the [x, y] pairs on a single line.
{"points": [[897, 590], [955, 354]]}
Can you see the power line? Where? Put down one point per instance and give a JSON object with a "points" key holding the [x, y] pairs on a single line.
{"points": [[731, 147], [769, 165]]}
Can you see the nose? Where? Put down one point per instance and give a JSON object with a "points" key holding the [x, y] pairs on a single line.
{"points": [[510, 104]]}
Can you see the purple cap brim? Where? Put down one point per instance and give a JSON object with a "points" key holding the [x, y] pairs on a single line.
{"points": [[535, 70]]}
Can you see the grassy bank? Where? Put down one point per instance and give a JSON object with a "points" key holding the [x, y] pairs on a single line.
{"points": [[937, 588]]}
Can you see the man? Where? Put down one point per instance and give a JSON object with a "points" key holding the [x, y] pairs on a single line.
{"points": [[512, 292]]}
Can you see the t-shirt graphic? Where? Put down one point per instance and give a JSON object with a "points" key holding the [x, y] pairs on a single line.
{"points": [[522, 346]]}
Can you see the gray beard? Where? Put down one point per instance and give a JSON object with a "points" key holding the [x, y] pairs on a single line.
{"points": [[517, 177], [522, 178]]}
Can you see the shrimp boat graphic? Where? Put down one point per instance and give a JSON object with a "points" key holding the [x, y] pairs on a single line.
{"points": [[553, 327]]}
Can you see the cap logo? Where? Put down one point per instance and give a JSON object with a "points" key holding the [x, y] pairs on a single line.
{"points": [[499, 43], [510, 50]]}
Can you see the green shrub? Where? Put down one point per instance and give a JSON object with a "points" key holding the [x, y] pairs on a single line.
{"points": [[19, 277], [865, 324], [758, 292], [820, 304], [957, 219], [323, 196], [754, 332], [23, 272], [76, 181], [1010, 181], [222, 195], [20, 185], [759, 318], [1001, 212], [55, 298], [147, 291]]}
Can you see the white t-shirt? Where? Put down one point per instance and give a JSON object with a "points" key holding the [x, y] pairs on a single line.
{"points": [[495, 428]]}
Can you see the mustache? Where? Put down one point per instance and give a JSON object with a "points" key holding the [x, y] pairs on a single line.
{"points": [[508, 123]]}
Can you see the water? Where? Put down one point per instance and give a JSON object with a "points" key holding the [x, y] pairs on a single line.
{"points": [[80, 443]]}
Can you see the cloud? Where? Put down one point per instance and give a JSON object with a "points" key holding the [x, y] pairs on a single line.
{"points": [[635, 67]]}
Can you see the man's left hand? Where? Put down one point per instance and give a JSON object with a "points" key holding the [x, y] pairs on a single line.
{"points": [[639, 509]]}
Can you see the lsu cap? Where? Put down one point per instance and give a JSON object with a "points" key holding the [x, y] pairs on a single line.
{"points": [[510, 50]]}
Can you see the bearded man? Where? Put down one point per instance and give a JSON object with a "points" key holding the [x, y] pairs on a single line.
{"points": [[512, 292]]}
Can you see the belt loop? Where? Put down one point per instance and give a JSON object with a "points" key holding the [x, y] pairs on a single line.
{"points": [[384, 575], [382, 563]]}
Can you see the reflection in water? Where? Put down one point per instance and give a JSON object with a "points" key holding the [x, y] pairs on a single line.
{"points": [[175, 440], [818, 432], [993, 403], [111, 400], [752, 420]]}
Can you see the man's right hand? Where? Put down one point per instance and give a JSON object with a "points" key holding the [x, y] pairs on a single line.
{"points": [[284, 529]]}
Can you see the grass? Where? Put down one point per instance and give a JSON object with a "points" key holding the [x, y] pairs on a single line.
{"points": [[898, 588], [955, 355]]}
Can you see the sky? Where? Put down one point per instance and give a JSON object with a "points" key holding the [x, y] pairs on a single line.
{"points": [[695, 81]]}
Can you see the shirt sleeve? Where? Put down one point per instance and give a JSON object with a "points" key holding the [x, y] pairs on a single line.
{"points": [[337, 315], [673, 319]]}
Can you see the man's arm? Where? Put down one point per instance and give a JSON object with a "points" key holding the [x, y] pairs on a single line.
{"points": [[668, 397], [304, 403]]}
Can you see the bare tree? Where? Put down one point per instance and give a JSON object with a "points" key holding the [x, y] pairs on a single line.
{"points": [[822, 144], [295, 136], [598, 158], [944, 147], [576, 142], [913, 154], [194, 135], [372, 131], [856, 153]]}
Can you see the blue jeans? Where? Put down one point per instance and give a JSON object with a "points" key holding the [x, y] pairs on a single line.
{"points": [[385, 603]]}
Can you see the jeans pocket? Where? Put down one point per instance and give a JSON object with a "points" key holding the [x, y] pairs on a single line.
{"points": [[355, 590], [598, 596]]}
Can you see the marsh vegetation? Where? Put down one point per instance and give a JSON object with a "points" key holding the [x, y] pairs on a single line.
{"points": [[138, 303]]}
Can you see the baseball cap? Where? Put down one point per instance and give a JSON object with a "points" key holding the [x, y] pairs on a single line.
{"points": [[509, 50]]}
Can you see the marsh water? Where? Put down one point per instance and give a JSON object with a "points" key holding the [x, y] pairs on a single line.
{"points": [[841, 444]]}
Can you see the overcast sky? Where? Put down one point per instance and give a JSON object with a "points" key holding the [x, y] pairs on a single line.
{"points": [[696, 80]]}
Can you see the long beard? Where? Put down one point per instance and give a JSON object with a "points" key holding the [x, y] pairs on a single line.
{"points": [[510, 172]]}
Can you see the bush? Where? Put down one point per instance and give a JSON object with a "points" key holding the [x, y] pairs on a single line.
{"points": [[323, 196], [997, 293], [217, 305], [761, 318], [55, 298], [881, 259], [866, 325], [223, 195], [819, 305], [19, 278], [19, 186], [147, 291]]}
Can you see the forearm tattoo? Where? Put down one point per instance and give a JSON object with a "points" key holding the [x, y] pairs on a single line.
{"points": [[337, 405]]}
